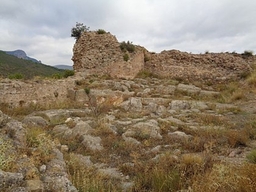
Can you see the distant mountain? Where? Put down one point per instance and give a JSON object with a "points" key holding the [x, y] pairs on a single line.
{"points": [[22, 55], [67, 67], [10, 65]]}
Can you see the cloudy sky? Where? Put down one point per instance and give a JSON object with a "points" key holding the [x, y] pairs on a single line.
{"points": [[42, 28]]}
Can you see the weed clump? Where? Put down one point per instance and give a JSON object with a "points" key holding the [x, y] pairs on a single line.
{"points": [[251, 157], [37, 139], [16, 76], [68, 73], [127, 46], [126, 57], [247, 53], [6, 156], [101, 31]]}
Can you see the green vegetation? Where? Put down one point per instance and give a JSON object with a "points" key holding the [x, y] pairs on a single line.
{"points": [[16, 76], [252, 156], [78, 30], [37, 138], [87, 179], [101, 31], [146, 74], [127, 46], [15, 68], [6, 155], [247, 53], [68, 73], [126, 57]]}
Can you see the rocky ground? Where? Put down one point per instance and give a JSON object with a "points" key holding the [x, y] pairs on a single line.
{"points": [[146, 134]]}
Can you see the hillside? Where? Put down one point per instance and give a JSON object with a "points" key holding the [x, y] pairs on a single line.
{"points": [[10, 65], [22, 55], [68, 67]]}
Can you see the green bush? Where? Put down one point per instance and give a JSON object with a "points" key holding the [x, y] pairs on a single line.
{"points": [[78, 30], [57, 76], [68, 73], [247, 53], [127, 47], [126, 57], [101, 31], [16, 76]]}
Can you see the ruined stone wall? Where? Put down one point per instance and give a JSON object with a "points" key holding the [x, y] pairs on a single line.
{"points": [[201, 67], [43, 92], [101, 54], [95, 50]]}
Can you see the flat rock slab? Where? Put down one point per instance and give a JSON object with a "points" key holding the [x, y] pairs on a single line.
{"points": [[146, 129], [188, 88]]}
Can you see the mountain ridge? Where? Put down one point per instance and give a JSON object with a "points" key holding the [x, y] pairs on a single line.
{"points": [[22, 55], [10, 65], [65, 67]]}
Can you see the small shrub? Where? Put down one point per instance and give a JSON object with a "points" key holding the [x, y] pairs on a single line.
{"points": [[247, 53], [16, 76], [238, 95], [87, 90], [37, 138], [68, 73], [126, 57], [78, 30], [251, 157], [160, 176], [237, 138], [127, 47], [93, 105], [101, 31], [87, 178], [57, 76]]}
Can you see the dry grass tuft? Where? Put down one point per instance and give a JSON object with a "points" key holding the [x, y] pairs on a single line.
{"points": [[224, 177], [86, 178], [40, 146], [251, 157], [23, 110], [7, 157], [237, 138]]}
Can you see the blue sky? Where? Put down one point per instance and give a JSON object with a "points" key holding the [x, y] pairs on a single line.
{"points": [[42, 28]]}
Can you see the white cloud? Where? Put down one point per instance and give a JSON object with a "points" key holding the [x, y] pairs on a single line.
{"points": [[42, 28], [53, 51]]}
